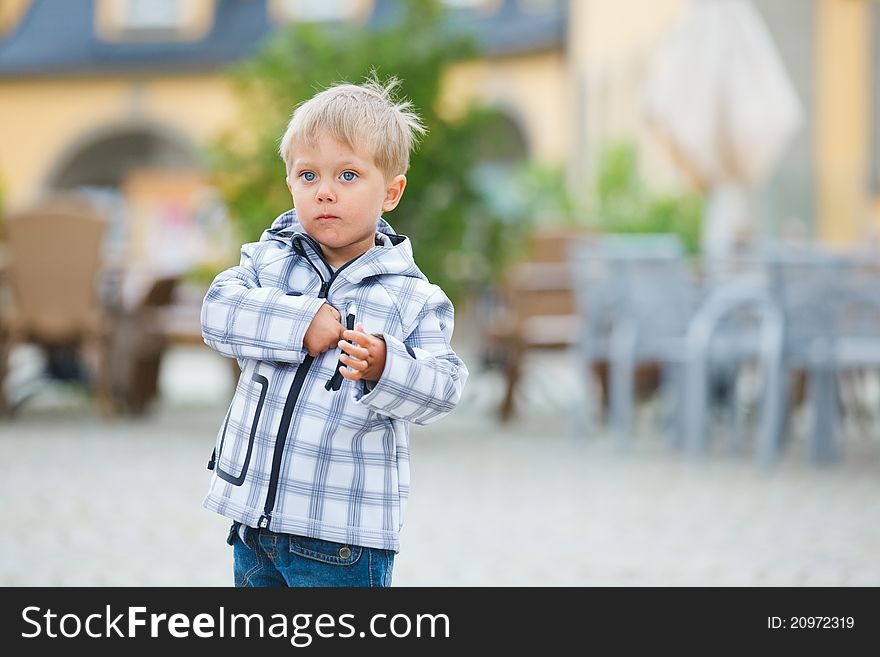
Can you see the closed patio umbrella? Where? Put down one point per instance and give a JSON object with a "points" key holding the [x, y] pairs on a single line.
{"points": [[719, 96]]}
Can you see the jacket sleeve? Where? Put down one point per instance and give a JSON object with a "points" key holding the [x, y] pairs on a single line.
{"points": [[423, 377], [241, 319]]}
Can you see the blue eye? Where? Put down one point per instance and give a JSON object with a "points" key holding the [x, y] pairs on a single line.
{"points": [[308, 176], [349, 176]]}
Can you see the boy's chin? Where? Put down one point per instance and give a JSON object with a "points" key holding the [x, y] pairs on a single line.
{"points": [[334, 243]]}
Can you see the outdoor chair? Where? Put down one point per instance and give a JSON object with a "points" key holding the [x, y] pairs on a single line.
{"points": [[815, 314], [535, 311], [137, 345], [52, 264], [635, 296], [738, 323], [831, 307], [799, 312], [855, 360]]}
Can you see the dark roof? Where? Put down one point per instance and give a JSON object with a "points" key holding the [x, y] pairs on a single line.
{"points": [[58, 37], [514, 30]]}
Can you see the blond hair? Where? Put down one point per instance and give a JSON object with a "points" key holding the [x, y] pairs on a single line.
{"points": [[366, 116]]}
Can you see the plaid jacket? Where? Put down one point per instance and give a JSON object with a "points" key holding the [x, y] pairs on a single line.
{"points": [[292, 455]]}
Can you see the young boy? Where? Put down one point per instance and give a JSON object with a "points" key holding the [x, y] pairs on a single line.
{"points": [[342, 343]]}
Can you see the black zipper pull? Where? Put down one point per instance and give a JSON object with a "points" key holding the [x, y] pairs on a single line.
{"points": [[263, 522], [325, 290], [213, 461], [335, 382]]}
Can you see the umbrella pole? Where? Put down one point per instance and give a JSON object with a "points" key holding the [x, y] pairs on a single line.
{"points": [[727, 222]]}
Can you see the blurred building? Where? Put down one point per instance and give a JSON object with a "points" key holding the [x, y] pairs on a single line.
{"points": [[828, 185], [119, 96], [111, 95]]}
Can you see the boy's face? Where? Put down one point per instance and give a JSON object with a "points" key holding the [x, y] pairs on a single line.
{"points": [[339, 194]]}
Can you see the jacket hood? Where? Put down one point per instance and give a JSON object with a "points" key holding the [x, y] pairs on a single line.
{"points": [[392, 255]]}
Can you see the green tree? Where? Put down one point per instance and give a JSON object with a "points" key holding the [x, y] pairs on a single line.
{"points": [[456, 238]]}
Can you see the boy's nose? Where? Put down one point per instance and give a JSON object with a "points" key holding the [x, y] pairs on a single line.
{"points": [[325, 194]]}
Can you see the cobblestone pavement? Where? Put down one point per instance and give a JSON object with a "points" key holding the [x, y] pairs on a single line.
{"points": [[94, 502]]}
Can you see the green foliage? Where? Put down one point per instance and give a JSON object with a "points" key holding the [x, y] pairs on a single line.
{"points": [[627, 206], [456, 238], [545, 198]]}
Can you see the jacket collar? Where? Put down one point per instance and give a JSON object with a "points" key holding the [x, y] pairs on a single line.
{"points": [[392, 254]]}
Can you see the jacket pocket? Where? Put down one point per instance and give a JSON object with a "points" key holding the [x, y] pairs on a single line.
{"points": [[236, 446]]}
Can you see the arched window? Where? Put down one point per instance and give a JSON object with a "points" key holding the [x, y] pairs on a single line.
{"points": [[501, 151], [104, 160], [150, 184]]}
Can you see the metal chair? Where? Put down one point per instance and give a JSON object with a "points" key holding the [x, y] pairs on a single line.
{"points": [[829, 310], [739, 322], [848, 308], [635, 295]]}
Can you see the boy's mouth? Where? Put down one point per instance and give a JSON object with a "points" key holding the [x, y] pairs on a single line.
{"points": [[327, 217]]}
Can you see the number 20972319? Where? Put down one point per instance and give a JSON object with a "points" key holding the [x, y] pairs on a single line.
{"points": [[810, 622]]}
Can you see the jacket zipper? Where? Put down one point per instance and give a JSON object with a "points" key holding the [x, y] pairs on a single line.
{"points": [[293, 394], [334, 383]]}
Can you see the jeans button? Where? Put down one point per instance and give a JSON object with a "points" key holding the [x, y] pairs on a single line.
{"points": [[345, 552]]}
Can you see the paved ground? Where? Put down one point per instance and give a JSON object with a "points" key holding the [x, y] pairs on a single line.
{"points": [[90, 502]]}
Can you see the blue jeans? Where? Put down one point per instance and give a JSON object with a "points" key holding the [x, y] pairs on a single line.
{"points": [[265, 558]]}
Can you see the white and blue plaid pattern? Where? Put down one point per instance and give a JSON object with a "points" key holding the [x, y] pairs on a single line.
{"points": [[343, 472]]}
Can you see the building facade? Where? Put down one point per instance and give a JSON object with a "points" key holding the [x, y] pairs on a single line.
{"points": [[120, 97], [101, 92], [827, 186]]}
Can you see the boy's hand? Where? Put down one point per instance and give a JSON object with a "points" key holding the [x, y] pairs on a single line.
{"points": [[366, 358], [324, 331]]}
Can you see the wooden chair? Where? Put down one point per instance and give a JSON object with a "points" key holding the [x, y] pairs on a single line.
{"points": [[137, 346], [53, 257], [537, 310]]}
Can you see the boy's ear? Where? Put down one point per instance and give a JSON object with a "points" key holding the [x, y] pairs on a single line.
{"points": [[393, 193], [289, 186]]}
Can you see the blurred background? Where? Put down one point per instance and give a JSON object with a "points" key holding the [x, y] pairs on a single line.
{"points": [[658, 221]]}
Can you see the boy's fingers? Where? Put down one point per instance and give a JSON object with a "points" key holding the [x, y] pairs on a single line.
{"points": [[351, 361], [350, 374], [353, 349], [357, 336]]}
